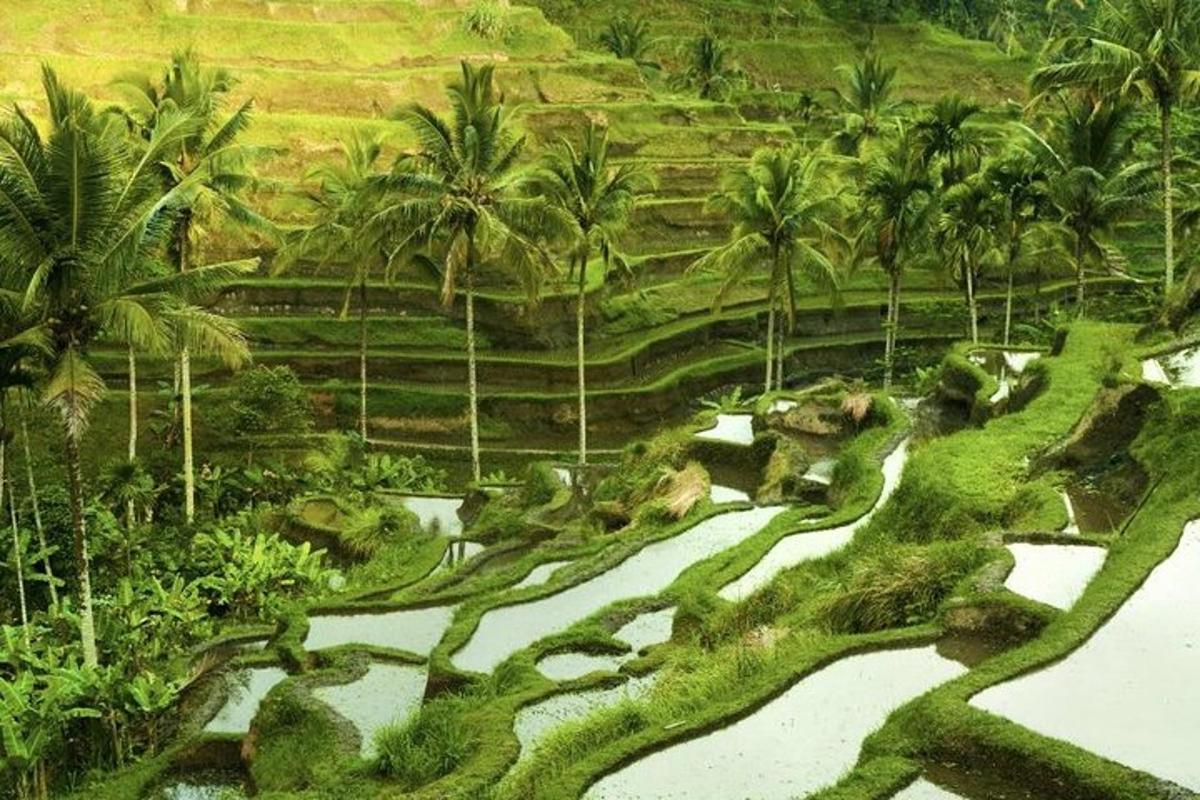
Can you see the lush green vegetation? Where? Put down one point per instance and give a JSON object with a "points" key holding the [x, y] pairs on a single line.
{"points": [[698, 263]]}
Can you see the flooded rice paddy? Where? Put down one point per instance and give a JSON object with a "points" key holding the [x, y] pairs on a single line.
{"points": [[798, 547], [921, 789], [387, 693], [416, 630], [1129, 693], [535, 722], [505, 630], [795, 744], [436, 514], [732, 429], [569, 666], [540, 574], [246, 690], [1180, 369], [1054, 574]]}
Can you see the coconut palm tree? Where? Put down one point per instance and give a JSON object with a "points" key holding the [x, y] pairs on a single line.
{"points": [[1147, 50], [865, 101], [897, 199], [944, 135], [965, 234], [83, 215], [461, 194], [213, 160], [600, 198], [345, 231], [1018, 183], [782, 206], [710, 70], [1093, 181]]}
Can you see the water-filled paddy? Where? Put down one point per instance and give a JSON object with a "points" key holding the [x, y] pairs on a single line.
{"points": [[202, 786], [416, 630], [792, 550], [246, 690], [505, 630], [386, 694], [436, 514], [800, 741], [726, 494], [534, 722], [540, 574], [1180, 369], [1054, 574], [921, 789], [569, 666], [731, 428], [1129, 693], [647, 629]]}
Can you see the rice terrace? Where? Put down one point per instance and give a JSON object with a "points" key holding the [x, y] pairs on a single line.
{"points": [[553, 400]]}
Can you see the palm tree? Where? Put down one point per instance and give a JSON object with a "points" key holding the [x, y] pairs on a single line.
{"points": [[865, 101], [1092, 182], [600, 198], [782, 206], [629, 38], [966, 236], [82, 216], [711, 72], [461, 194], [1148, 50], [943, 134], [896, 203], [1018, 183], [345, 231], [211, 158]]}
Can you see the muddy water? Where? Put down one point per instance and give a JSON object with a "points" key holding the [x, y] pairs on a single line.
{"points": [[540, 574], [202, 786], [1054, 574], [246, 689], [731, 428], [387, 693], [569, 666], [725, 494], [646, 630], [416, 630], [505, 630], [533, 723], [791, 550], [1180, 369], [801, 741], [921, 789], [1130, 693], [436, 514]]}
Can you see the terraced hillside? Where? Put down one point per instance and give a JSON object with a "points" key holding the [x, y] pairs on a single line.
{"points": [[323, 72]]}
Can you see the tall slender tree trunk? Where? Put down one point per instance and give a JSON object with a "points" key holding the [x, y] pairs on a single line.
{"points": [[472, 384], [770, 342], [1168, 200], [37, 510], [893, 323], [971, 304], [87, 619], [1079, 295], [581, 355], [185, 391], [24, 605], [1008, 307], [133, 423], [779, 351], [362, 356], [189, 473]]}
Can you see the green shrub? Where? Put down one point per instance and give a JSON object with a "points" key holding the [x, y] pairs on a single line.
{"points": [[372, 528], [430, 744], [899, 586], [254, 576], [541, 484], [264, 400], [487, 19]]}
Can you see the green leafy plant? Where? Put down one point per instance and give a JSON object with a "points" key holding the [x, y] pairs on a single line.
{"points": [[487, 19], [254, 576]]}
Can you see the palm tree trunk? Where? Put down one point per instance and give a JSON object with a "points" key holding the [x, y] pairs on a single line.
{"points": [[580, 321], [1079, 298], [189, 473], [1008, 306], [893, 323], [770, 341], [87, 619], [185, 391], [24, 605], [37, 510], [779, 354], [472, 383], [133, 421], [971, 305], [1168, 201], [362, 356]]}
